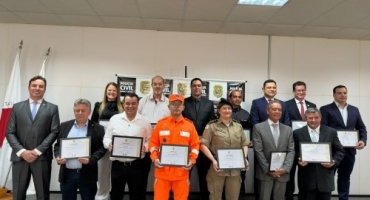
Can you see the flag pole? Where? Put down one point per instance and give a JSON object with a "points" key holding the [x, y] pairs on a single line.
{"points": [[42, 71]]}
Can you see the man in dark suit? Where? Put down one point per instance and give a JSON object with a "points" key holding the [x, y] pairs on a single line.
{"points": [[342, 116], [80, 173], [296, 108], [316, 180], [258, 113], [258, 109], [32, 128], [200, 110], [269, 136]]}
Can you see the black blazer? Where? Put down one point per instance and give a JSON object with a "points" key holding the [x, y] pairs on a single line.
{"points": [[206, 113], [293, 110], [314, 175], [332, 118], [89, 172], [25, 133]]}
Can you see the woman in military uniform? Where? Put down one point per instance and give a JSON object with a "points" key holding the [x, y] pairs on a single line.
{"points": [[223, 132]]}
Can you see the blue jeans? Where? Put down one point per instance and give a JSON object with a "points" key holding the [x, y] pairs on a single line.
{"points": [[73, 182]]}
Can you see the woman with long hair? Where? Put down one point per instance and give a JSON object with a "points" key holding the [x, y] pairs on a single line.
{"points": [[103, 111]]}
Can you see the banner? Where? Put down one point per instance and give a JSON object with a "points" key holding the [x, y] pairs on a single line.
{"points": [[212, 89]]}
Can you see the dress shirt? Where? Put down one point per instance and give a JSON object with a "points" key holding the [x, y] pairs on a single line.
{"points": [[299, 105], [268, 100], [317, 131], [343, 112], [153, 110], [119, 125], [76, 131]]}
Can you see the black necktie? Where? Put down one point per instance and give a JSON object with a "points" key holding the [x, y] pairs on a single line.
{"points": [[196, 106]]}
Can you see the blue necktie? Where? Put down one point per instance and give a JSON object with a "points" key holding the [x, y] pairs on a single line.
{"points": [[34, 109], [313, 136]]}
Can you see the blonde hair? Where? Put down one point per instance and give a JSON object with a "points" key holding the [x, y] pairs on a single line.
{"points": [[105, 99]]}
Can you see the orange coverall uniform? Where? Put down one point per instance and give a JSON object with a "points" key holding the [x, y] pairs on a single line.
{"points": [[182, 132]]}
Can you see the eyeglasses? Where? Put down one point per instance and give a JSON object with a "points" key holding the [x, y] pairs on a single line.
{"points": [[176, 104]]}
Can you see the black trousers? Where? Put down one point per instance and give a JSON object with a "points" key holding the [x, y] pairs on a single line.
{"points": [[313, 195], [203, 164], [132, 173], [290, 185]]}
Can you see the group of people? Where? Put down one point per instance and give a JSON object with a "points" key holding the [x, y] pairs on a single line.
{"points": [[34, 126]]}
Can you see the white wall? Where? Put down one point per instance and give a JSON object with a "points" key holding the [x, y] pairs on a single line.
{"points": [[83, 60]]}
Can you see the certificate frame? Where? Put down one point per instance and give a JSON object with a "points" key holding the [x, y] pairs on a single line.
{"points": [[353, 134], [274, 154], [72, 143], [307, 157], [117, 151], [234, 153], [296, 124], [170, 150]]}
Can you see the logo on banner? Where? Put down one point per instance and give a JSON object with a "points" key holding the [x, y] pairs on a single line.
{"points": [[144, 87], [218, 91], [181, 88]]}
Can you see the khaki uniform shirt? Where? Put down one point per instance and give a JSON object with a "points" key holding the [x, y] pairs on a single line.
{"points": [[218, 135]]}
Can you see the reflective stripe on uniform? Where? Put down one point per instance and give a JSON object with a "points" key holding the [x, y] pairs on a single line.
{"points": [[195, 151], [153, 149]]}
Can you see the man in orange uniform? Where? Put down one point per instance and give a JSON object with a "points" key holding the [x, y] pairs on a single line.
{"points": [[173, 130]]}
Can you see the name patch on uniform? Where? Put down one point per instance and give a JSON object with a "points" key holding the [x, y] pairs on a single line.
{"points": [[162, 133], [185, 134]]}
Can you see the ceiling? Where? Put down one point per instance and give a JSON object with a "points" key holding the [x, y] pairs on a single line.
{"points": [[336, 19]]}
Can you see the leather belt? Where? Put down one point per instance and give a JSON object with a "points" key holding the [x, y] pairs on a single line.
{"points": [[75, 170]]}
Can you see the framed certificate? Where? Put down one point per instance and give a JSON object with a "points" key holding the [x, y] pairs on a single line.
{"points": [[348, 139], [277, 160], [247, 134], [296, 124], [126, 146], [174, 155], [316, 152], [230, 158], [104, 123], [78, 147]]}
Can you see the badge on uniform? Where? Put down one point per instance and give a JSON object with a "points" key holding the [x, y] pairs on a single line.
{"points": [[164, 140]]}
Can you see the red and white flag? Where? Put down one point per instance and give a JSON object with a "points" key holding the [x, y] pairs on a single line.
{"points": [[12, 96]]}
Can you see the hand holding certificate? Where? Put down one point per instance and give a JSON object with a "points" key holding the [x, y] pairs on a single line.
{"points": [[126, 146], [317, 152], [75, 147], [230, 158], [174, 155]]}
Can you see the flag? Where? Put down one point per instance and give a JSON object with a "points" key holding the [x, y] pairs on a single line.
{"points": [[12, 96]]}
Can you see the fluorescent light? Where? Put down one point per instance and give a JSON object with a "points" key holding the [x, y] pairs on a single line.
{"points": [[263, 2]]}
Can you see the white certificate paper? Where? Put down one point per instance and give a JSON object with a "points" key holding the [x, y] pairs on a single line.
{"points": [[277, 160], [247, 134], [348, 138], [104, 123], [232, 158], [298, 124], [174, 155], [126, 146], [316, 152], [78, 147]]}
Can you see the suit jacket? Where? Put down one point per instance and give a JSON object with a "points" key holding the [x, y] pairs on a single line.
{"points": [[206, 113], [293, 110], [333, 118], [89, 172], [264, 143], [259, 114], [25, 133], [315, 175]]}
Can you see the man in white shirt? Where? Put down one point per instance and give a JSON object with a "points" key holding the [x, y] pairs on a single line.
{"points": [[128, 170]]}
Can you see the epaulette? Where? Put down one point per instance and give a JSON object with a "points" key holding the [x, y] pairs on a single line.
{"points": [[213, 121], [236, 121], [186, 119]]}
